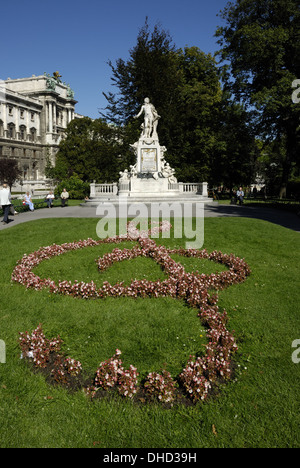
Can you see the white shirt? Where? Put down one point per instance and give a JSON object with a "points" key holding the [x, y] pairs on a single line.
{"points": [[5, 197]]}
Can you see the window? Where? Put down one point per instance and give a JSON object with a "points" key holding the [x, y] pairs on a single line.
{"points": [[32, 115], [10, 110], [11, 131], [32, 134], [22, 132], [22, 113]]}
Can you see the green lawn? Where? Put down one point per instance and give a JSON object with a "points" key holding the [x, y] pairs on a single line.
{"points": [[259, 409]]}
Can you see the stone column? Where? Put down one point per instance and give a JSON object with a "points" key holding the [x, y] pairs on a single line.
{"points": [[27, 126], [4, 118], [17, 122], [65, 118], [38, 125], [54, 116], [50, 117], [93, 189], [204, 189]]}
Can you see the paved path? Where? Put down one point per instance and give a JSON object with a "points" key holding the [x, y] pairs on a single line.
{"points": [[283, 218]]}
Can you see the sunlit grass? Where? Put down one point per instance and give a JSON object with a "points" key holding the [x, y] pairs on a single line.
{"points": [[260, 409]]}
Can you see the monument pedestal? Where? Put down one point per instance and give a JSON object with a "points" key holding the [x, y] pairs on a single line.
{"points": [[151, 176], [148, 187]]}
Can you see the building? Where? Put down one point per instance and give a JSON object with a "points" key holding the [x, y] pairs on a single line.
{"points": [[34, 114]]}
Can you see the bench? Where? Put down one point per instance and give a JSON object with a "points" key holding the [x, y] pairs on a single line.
{"points": [[20, 208]]}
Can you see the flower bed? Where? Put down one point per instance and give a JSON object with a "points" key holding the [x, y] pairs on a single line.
{"points": [[200, 374]]}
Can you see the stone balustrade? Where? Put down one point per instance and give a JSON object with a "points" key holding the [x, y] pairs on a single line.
{"points": [[98, 190]]}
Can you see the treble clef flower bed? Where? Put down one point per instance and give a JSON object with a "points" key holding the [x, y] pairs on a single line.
{"points": [[200, 376]]}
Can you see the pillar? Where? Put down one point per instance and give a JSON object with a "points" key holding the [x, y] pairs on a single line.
{"points": [[50, 117]]}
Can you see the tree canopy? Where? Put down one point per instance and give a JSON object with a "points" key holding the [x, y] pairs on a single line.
{"points": [[185, 87], [220, 122], [91, 150], [9, 171], [260, 46]]}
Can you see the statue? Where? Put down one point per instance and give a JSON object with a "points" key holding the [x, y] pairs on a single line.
{"points": [[150, 156], [124, 175], [168, 172], [150, 119], [57, 76], [51, 84], [70, 92], [133, 171]]}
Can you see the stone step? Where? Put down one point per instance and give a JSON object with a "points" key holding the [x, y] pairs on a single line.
{"points": [[94, 202]]}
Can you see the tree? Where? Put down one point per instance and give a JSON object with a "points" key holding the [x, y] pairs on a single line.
{"points": [[151, 71], [200, 95], [233, 162], [185, 89], [9, 171], [91, 150], [261, 43]]}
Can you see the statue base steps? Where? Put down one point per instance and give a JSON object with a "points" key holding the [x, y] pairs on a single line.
{"points": [[146, 200]]}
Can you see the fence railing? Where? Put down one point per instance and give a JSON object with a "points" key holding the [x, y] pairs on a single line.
{"points": [[98, 190], [191, 188]]}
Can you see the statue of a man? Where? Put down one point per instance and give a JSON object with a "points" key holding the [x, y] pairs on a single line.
{"points": [[150, 119]]}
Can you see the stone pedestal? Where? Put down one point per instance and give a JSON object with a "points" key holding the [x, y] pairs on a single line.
{"points": [[148, 156], [151, 176]]}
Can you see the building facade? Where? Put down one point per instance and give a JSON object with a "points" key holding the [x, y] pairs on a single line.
{"points": [[34, 114]]}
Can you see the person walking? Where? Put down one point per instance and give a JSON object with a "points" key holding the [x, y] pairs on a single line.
{"points": [[5, 202]]}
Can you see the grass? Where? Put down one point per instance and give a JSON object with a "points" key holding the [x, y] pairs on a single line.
{"points": [[259, 409]]}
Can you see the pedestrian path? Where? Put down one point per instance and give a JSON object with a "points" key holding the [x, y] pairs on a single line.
{"points": [[280, 217]]}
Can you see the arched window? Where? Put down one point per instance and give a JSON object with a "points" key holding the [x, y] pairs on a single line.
{"points": [[22, 132], [32, 134], [11, 133]]}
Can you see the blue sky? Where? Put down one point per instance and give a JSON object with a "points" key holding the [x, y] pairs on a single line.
{"points": [[77, 38]]}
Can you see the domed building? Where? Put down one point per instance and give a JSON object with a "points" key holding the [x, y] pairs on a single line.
{"points": [[34, 114]]}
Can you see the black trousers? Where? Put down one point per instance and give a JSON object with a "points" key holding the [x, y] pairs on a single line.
{"points": [[5, 209]]}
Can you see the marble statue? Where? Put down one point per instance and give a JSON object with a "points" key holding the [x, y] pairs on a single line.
{"points": [[124, 175], [168, 172], [151, 118], [133, 170]]}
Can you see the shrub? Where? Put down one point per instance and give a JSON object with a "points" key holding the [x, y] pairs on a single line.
{"points": [[111, 373], [160, 386], [76, 188], [37, 347]]}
